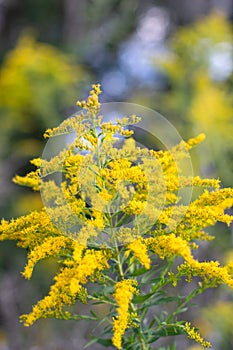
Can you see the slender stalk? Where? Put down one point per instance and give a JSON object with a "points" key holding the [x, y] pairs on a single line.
{"points": [[141, 338], [97, 145], [90, 297], [192, 295], [118, 260]]}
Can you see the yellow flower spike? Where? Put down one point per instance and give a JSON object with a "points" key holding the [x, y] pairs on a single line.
{"points": [[105, 195], [67, 126], [86, 232], [30, 180], [126, 132], [97, 89], [68, 283], [134, 207], [170, 245], [81, 104], [36, 162], [98, 219], [92, 102], [50, 247], [193, 334], [78, 251], [210, 271], [196, 140], [139, 249], [124, 291]]}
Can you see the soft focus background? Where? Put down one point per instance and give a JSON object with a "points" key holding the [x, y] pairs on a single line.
{"points": [[174, 56]]}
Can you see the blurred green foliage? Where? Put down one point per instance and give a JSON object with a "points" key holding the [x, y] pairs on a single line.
{"points": [[199, 98], [221, 326], [37, 84]]}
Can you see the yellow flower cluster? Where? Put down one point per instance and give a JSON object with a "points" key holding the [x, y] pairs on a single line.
{"points": [[170, 245], [193, 334], [140, 252], [195, 141], [208, 209], [210, 271], [51, 246], [128, 181], [92, 102], [102, 191], [68, 284], [124, 291], [110, 129], [30, 180], [29, 230], [69, 125]]}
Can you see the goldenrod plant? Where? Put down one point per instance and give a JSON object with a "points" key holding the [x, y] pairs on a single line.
{"points": [[114, 221]]}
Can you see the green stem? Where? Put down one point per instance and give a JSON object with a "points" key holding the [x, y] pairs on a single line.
{"points": [[118, 260], [192, 295], [103, 301], [141, 337], [97, 145]]}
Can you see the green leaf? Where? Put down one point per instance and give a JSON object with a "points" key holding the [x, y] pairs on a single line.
{"points": [[91, 342], [93, 313], [105, 342], [152, 323], [95, 340], [165, 300], [139, 272], [82, 317], [107, 329], [166, 330], [141, 298], [155, 319], [171, 347], [98, 302]]}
